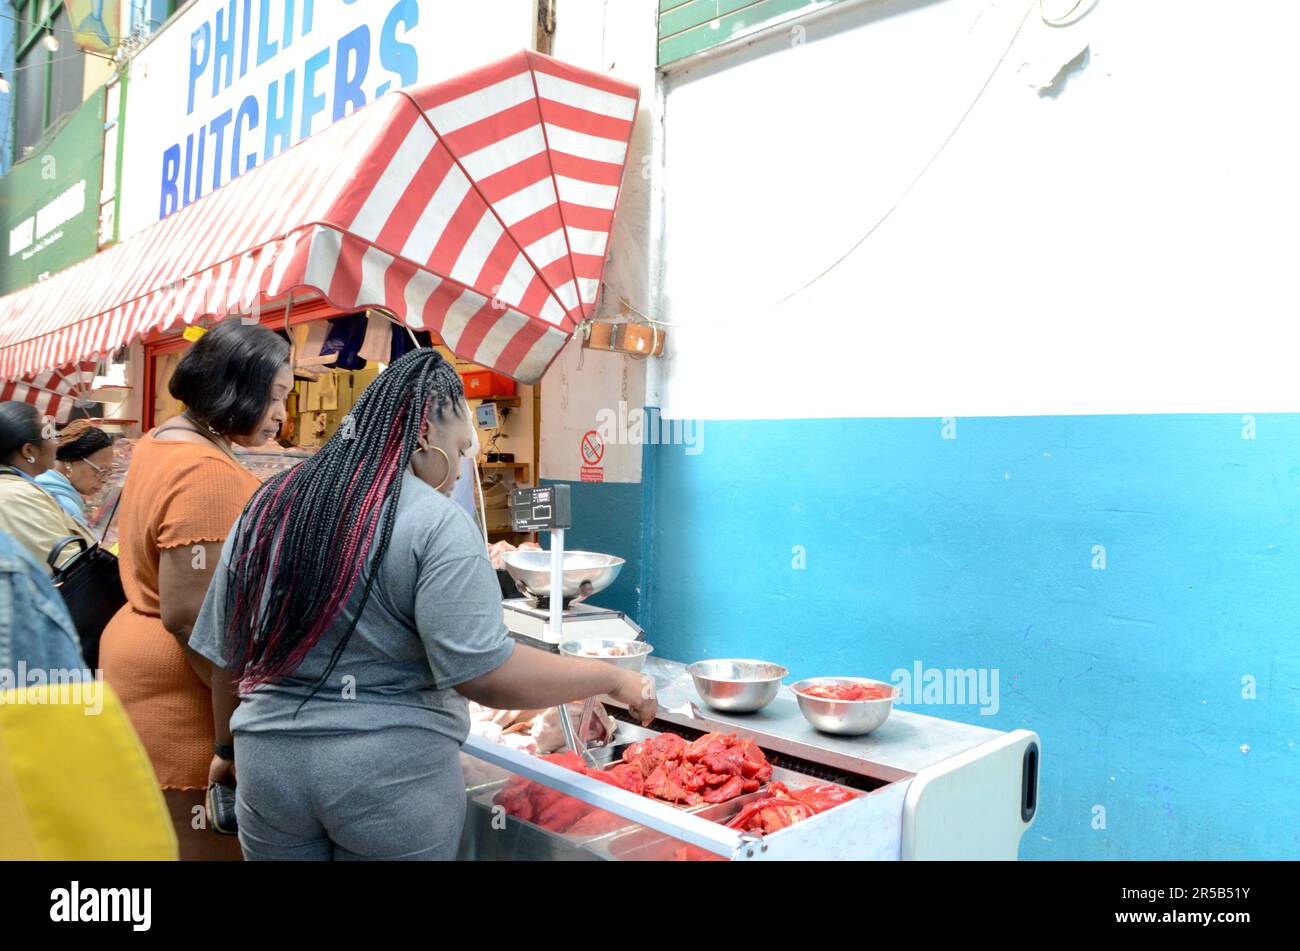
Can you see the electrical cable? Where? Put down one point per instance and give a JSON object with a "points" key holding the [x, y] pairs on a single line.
{"points": [[50, 62], [926, 167], [649, 320], [51, 19], [1068, 18]]}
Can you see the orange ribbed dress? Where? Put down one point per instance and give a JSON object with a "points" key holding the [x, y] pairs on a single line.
{"points": [[176, 494]]}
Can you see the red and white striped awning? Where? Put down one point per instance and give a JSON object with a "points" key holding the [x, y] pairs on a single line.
{"points": [[53, 392], [479, 208]]}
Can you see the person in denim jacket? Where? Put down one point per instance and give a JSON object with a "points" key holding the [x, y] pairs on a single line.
{"points": [[35, 627], [93, 794]]}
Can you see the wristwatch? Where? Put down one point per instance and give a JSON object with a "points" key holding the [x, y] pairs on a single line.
{"points": [[225, 752]]}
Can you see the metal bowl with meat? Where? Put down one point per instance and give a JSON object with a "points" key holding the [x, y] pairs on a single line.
{"points": [[847, 706], [629, 655]]}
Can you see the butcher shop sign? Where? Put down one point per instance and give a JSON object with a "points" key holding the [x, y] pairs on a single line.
{"points": [[49, 202], [227, 84]]}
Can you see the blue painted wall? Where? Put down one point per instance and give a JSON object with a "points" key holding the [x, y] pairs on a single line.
{"points": [[607, 518], [978, 552]]}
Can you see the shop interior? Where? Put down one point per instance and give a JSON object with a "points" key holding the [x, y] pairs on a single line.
{"points": [[327, 385]]}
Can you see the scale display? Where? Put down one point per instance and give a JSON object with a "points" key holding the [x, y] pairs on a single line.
{"points": [[541, 509]]}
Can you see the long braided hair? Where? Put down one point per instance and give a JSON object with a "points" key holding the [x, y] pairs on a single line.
{"points": [[300, 546]]}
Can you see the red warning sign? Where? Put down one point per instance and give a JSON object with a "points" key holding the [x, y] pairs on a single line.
{"points": [[592, 474], [592, 448]]}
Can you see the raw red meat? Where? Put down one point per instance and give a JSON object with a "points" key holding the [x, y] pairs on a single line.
{"points": [[668, 745], [568, 759], [691, 853], [732, 788], [543, 806], [715, 768], [823, 796], [597, 822], [782, 807], [770, 814], [708, 743], [848, 692], [663, 784], [623, 775], [561, 812]]}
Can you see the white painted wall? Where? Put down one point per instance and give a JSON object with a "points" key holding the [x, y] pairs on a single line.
{"points": [[1128, 245], [615, 37]]}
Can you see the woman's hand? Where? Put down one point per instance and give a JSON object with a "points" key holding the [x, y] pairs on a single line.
{"points": [[222, 772], [533, 678], [636, 692]]}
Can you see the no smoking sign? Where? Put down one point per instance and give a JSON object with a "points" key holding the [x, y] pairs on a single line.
{"points": [[592, 450]]}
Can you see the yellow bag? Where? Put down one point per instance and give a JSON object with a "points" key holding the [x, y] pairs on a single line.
{"points": [[75, 782]]}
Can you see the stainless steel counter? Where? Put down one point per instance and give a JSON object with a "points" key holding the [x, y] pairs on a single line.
{"points": [[939, 789], [904, 745]]}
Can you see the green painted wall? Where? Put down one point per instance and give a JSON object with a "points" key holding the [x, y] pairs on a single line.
{"points": [[691, 26], [49, 202]]}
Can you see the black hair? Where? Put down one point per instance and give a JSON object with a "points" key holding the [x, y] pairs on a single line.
{"points": [[20, 424], [304, 537], [225, 379], [80, 440]]}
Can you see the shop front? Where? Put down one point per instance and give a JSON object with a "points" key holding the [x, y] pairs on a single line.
{"points": [[53, 214], [337, 355], [472, 215], [475, 215]]}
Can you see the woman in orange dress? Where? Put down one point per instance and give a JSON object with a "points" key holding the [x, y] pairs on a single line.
{"points": [[183, 493]]}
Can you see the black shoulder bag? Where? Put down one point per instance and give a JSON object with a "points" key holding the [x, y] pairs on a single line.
{"points": [[91, 586]]}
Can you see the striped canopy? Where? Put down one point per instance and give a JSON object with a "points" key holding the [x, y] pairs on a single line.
{"points": [[479, 208], [53, 392]]}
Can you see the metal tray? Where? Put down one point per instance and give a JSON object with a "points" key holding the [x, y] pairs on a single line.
{"points": [[631, 841], [484, 796]]}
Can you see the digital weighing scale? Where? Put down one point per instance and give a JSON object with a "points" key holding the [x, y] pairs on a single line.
{"points": [[534, 618]]}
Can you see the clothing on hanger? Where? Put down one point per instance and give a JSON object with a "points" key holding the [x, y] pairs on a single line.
{"points": [[378, 343]]}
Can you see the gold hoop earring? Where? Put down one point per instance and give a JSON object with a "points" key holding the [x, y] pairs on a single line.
{"points": [[446, 458]]}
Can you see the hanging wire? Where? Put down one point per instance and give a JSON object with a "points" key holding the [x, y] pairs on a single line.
{"points": [[924, 168], [51, 61], [1058, 22], [644, 319], [50, 18], [1065, 18]]}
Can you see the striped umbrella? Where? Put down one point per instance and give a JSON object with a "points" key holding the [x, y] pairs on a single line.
{"points": [[479, 208], [53, 392]]}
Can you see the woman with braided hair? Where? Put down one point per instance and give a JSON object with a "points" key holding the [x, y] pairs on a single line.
{"points": [[355, 608], [82, 462]]}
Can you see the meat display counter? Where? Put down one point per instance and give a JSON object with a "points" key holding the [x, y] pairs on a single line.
{"points": [[923, 788]]}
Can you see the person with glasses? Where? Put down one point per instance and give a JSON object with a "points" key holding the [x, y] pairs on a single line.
{"points": [[27, 511], [81, 465]]}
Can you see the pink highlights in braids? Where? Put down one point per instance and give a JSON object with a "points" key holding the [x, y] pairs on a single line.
{"points": [[306, 538]]}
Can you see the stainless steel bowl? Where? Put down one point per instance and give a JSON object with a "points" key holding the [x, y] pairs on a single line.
{"points": [[845, 717], [585, 572], [638, 651], [737, 686]]}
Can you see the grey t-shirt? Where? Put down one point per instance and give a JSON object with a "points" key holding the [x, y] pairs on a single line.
{"points": [[433, 621]]}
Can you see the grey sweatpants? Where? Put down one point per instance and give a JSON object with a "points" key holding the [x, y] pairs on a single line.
{"points": [[395, 793]]}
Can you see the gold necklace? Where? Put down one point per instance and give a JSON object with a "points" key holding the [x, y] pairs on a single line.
{"points": [[208, 433]]}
